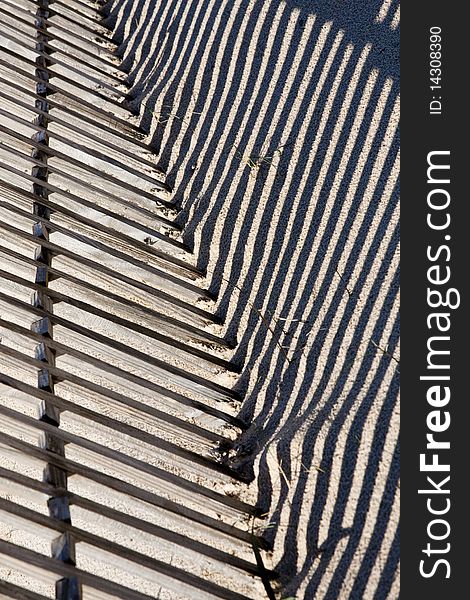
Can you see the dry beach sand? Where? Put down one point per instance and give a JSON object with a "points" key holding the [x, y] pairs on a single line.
{"points": [[277, 125]]}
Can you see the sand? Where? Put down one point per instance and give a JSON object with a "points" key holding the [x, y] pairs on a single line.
{"points": [[276, 123]]}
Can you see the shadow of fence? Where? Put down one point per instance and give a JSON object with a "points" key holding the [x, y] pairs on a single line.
{"points": [[277, 126]]}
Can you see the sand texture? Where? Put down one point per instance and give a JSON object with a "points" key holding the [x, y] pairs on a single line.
{"points": [[208, 331], [277, 125]]}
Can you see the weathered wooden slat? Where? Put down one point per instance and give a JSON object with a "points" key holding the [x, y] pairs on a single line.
{"points": [[167, 340], [182, 377], [97, 52], [139, 524], [119, 131], [9, 590], [83, 9], [108, 368], [24, 196], [160, 185], [81, 102], [48, 117], [124, 487], [154, 216], [108, 67], [28, 557], [79, 19], [95, 92], [99, 268], [178, 424], [180, 327], [168, 481], [165, 277], [97, 31], [99, 79], [171, 262], [178, 575]]}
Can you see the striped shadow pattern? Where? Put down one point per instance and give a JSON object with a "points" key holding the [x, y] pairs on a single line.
{"points": [[277, 126], [117, 404]]}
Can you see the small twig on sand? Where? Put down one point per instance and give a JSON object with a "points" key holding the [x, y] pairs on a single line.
{"points": [[342, 279], [384, 351], [256, 161], [163, 117], [273, 332]]}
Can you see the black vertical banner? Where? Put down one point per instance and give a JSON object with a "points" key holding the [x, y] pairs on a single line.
{"points": [[435, 262]]}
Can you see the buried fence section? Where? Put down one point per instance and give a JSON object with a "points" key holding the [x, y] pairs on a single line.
{"points": [[117, 407]]}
